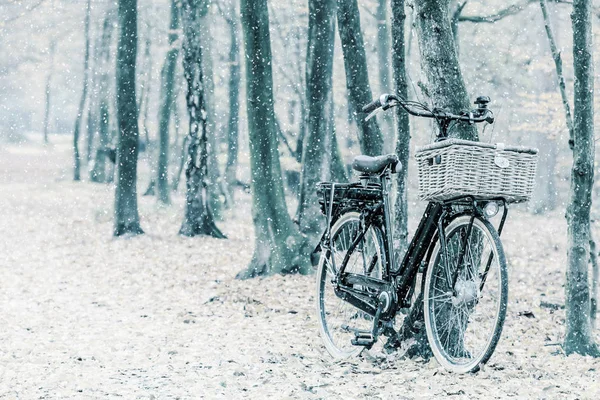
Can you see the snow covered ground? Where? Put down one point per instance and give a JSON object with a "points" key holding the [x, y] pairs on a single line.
{"points": [[83, 315]]}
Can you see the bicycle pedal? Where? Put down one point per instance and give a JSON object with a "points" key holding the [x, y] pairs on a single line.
{"points": [[363, 339]]}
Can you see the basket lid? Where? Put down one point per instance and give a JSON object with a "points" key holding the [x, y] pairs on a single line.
{"points": [[461, 142]]}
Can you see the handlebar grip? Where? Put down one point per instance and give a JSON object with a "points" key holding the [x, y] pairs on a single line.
{"points": [[372, 106]]}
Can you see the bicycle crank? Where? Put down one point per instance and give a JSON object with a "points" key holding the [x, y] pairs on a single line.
{"points": [[386, 303]]}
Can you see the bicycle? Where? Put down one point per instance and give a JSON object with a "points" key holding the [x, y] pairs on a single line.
{"points": [[360, 289]]}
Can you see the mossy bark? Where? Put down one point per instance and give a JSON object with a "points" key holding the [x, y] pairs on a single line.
{"points": [[234, 103], [402, 126], [318, 148], [439, 62], [357, 77], [579, 338], [279, 246], [127, 220], [198, 218]]}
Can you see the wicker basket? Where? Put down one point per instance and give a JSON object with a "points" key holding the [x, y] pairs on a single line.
{"points": [[454, 168]]}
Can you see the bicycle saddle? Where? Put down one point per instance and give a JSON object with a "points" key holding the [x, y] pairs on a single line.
{"points": [[375, 165]]}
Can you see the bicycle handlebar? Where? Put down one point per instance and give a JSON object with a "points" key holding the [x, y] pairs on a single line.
{"points": [[374, 105], [481, 114]]}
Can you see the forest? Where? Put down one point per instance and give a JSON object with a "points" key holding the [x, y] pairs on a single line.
{"points": [[188, 190]]}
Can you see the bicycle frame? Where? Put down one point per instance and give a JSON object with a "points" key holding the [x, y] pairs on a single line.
{"points": [[400, 281]]}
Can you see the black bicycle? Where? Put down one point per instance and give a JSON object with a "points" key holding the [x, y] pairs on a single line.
{"points": [[361, 289]]}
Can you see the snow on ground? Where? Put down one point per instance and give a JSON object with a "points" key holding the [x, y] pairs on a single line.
{"points": [[159, 316]]}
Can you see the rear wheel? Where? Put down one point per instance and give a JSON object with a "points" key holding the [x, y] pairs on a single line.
{"points": [[464, 323], [339, 321]]}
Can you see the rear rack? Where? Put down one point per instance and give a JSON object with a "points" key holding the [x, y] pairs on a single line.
{"points": [[347, 194]]}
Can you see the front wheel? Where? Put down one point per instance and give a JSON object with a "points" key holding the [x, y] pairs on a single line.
{"points": [[464, 321]]}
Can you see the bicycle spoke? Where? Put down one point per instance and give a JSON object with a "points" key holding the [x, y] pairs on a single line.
{"points": [[442, 296]]}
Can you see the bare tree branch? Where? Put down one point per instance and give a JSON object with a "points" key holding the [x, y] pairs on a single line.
{"points": [[559, 73], [25, 12], [506, 12]]}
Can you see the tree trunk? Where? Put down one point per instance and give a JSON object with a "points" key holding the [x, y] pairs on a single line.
{"points": [[544, 193], [149, 147], [579, 337], [214, 183], [167, 97], [127, 220], [301, 130], [144, 107], [179, 151], [78, 120], [279, 247], [413, 325], [198, 219], [439, 62], [318, 148], [438, 54], [92, 120], [357, 78], [98, 172], [48, 82], [558, 64], [383, 64], [402, 127], [337, 165], [177, 176], [234, 105]]}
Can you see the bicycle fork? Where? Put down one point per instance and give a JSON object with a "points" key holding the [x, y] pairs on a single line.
{"points": [[451, 277]]}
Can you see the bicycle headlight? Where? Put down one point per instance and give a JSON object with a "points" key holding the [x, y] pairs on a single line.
{"points": [[491, 209]]}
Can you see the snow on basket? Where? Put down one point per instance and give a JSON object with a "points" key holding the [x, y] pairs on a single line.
{"points": [[454, 168]]}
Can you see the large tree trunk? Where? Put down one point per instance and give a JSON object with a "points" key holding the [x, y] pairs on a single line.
{"points": [[357, 78], [127, 220], [439, 62], [48, 82], [198, 219], [279, 247], [402, 126], [578, 338], [78, 120], [98, 172], [167, 100], [318, 148], [234, 105]]}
